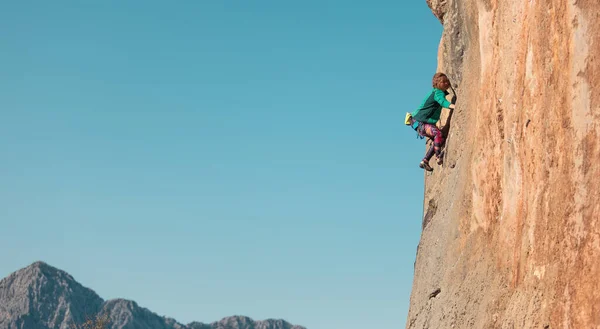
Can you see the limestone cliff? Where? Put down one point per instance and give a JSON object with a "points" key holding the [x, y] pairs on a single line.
{"points": [[511, 226]]}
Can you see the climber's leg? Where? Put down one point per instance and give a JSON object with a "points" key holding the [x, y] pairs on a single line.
{"points": [[429, 153], [425, 162], [435, 134], [438, 141]]}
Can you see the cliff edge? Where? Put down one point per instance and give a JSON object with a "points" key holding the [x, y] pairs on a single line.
{"points": [[511, 225]]}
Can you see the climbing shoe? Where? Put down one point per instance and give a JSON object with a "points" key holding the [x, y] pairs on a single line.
{"points": [[425, 165]]}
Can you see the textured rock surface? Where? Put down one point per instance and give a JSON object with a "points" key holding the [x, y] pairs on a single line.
{"points": [[438, 7], [43, 297], [513, 235], [126, 314]]}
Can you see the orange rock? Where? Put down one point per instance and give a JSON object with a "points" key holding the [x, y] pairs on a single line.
{"points": [[514, 241]]}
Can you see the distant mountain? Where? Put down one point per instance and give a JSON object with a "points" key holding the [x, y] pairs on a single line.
{"points": [[43, 297]]}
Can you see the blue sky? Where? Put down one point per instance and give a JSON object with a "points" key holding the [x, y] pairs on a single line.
{"points": [[211, 158]]}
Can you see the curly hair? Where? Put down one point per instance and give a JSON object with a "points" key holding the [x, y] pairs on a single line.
{"points": [[440, 81]]}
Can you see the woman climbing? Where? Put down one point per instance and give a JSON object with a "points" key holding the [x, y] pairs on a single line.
{"points": [[428, 114]]}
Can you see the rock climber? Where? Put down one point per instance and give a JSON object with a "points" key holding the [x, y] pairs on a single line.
{"points": [[424, 119]]}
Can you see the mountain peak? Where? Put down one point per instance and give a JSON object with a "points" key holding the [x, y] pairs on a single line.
{"points": [[39, 266], [42, 295], [35, 275], [244, 322], [40, 271]]}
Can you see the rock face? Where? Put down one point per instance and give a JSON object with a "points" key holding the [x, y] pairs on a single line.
{"points": [[43, 297], [511, 230]]}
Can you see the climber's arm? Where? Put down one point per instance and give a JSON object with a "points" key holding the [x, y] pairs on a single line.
{"points": [[440, 97]]}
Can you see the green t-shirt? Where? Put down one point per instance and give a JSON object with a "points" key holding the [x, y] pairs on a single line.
{"points": [[431, 108]]}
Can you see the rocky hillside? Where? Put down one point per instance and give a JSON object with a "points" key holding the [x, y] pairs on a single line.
{"points": [[43, 297], [511, 226]]}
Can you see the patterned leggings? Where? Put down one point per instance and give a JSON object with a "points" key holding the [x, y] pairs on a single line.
{"points": [[434, 133]]}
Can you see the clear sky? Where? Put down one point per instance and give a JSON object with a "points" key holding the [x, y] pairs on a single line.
{"points": [[210, 158]]}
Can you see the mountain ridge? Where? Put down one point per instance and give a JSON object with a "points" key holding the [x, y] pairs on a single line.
{"points": [[41, 296]]}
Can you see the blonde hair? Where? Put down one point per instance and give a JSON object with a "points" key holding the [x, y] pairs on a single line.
{"points": [[440, 81]]}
